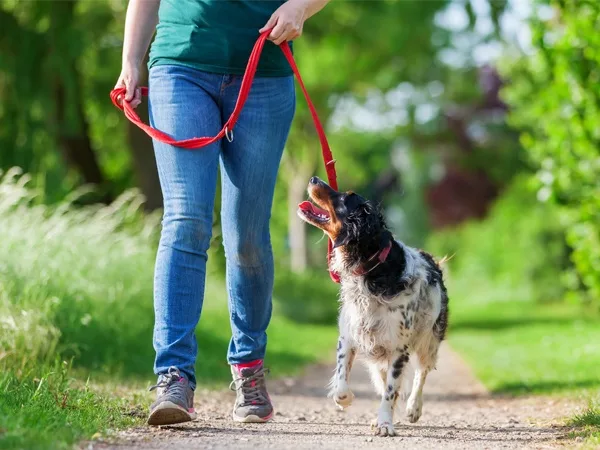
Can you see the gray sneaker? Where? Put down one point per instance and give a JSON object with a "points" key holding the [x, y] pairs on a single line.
{"points": [[174, 400], [252, 403]]}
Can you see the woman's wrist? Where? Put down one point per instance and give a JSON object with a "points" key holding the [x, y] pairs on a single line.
{"points": [[313, 6], [132, 61]]}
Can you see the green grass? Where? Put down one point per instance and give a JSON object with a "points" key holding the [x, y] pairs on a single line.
{"points": [[588, 424], [48, 412], [76, 286], [525, 347]]}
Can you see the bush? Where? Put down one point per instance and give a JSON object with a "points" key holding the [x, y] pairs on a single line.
{"points": [[310, 297], [517, 253], [556, 103], [68, 277]]}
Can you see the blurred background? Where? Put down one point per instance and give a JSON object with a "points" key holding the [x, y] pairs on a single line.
{"points": [[473, 122]]}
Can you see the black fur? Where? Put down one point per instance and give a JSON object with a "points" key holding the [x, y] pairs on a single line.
{"points": [[399, 364], [364, 233], [435, 276]]}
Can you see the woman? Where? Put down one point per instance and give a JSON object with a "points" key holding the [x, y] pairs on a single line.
{"points": [[196, 61]]}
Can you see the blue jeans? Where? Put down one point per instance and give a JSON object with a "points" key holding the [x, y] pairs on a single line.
{"points": [[186, 103]]}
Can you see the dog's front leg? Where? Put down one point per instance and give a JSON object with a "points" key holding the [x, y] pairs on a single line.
{"points": [[340, 391], [385, 415]]}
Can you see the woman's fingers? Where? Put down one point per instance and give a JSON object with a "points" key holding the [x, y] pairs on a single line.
{"points": [[133, 94]]}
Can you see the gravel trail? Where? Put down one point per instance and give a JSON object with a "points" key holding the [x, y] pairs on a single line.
{"points": [[458, 413]]}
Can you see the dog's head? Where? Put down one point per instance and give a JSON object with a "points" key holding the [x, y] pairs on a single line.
{"points": [[352, 222]]}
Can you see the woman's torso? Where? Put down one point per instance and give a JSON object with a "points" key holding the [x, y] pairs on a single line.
{"points": [[215, 36]]}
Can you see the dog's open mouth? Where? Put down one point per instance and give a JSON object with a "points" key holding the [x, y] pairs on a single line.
{"points": [[313, 213]]}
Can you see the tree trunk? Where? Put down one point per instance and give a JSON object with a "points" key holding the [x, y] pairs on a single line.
{"points": [[297, 227], [72, 127], [74, 140], [142, 155], [73, 135]]}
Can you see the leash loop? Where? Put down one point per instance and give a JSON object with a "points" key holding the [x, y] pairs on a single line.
{"points": [[228, 134], [117, 96]]}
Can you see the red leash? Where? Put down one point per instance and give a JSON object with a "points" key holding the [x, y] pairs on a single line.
{"points": [[227, 130]]}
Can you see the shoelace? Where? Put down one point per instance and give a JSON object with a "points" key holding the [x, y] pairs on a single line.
{"points": [[169, 381], [251, 391]]}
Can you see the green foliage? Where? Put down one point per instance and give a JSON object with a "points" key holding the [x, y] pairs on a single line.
{"points": [[59, 61], [517, 253], [310, 297], [70, 277], [556, 103]]}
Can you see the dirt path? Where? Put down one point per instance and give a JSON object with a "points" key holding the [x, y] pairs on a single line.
{"points": [[457, 414]]}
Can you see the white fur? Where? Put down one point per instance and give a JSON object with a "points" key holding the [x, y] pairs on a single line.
{"points": [[382, 331]]}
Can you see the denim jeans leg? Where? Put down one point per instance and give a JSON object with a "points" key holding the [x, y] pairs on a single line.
{"points": [[183, 103], [249, 166]]}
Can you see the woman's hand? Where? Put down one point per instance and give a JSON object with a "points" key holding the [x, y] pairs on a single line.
{"points": [[129, 79], [288, 21]]}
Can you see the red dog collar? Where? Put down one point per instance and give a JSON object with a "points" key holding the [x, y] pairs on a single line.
{"points": [[381, 256]]}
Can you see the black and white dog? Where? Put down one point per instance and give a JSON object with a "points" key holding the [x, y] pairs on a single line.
{"points": [[393, 301]]}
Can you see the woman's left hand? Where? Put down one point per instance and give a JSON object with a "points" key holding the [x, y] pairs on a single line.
{"points": [[288, 20]]}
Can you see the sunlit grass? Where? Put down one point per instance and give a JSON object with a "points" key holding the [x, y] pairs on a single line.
{"points": [[47, 412], [523, 347], [588, 424]]}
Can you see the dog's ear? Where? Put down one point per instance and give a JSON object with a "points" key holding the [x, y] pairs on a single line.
{"points": [[342, 239], [385, 238]]}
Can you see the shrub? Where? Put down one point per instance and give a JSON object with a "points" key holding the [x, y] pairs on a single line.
{"points": [[556, 103], [517, 253]]}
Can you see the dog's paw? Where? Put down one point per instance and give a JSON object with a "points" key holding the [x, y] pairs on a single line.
{"points": [[343, 399], [383, 429], [414, 408]]}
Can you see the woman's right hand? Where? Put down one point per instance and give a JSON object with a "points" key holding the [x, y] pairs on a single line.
{"points": [[129, 79]]}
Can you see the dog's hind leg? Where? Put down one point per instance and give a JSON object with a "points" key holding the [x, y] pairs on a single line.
{"points": [[339, 389], [425, 362]]}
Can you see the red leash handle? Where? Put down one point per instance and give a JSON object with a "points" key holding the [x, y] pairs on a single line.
{"points": [[194, 143]]}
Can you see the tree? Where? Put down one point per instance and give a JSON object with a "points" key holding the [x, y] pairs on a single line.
{"points": [[556, 104], [46, 76]]}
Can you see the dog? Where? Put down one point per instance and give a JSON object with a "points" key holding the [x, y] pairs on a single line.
{"points": [[394, 304]]}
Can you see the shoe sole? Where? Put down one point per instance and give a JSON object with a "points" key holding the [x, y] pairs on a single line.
{"points": [[252, 418], [168, 413]]}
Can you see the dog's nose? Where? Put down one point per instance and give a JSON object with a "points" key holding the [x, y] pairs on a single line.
{"points": [[314, 180]]}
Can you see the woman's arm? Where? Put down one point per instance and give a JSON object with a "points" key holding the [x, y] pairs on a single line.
{"points": [[140, 23], [287, 22]]}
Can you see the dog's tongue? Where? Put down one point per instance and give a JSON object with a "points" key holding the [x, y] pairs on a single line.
{"points": [[308, 206]]}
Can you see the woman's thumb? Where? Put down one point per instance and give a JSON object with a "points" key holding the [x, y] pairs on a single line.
{"points": [[129, 89]]}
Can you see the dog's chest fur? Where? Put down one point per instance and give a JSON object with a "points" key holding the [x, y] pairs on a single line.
{"points": [[381, 326]]}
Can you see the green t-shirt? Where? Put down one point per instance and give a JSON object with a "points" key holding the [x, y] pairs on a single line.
{"points": [[215, 36]]}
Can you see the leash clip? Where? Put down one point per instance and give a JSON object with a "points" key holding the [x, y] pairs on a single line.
{"points": [[228, 134]]}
